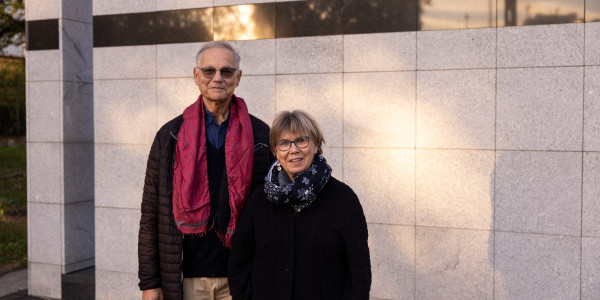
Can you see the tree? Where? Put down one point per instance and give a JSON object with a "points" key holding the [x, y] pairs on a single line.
{"points": [[12, 23]]}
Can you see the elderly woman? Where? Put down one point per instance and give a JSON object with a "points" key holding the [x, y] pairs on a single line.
{"points": [[303, 235]]}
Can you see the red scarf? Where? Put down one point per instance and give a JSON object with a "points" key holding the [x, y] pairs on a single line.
{"points": [[191, 198]]}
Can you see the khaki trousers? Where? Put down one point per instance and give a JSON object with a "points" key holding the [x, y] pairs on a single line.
{"points": [[204, 288]]}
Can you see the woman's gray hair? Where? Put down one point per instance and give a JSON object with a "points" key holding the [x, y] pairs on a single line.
{"points": [[218, 44], [298, 122]]}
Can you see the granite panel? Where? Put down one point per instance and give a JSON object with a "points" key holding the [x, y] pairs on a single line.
{"points": [[182, 4], [42, 35], [456, 14], [176, 60], [322, 54], [590, 264], [125, 62], [390, 96], [237, 2], [534, 266], [454, 264], [115, 285], [77, 10], [244, 22], [78, 172], [592, 11], [591, 195], [125, 111], [44, 280], [298, 92], [456, 49], [44, 112], [107, 7], [384, 180], [42, 65], [535, 12], [380, 52], [592, 42], [456, 109], [184, 26], [335, 159], [455, 189], [257, 57], [77, 111], [116, 239], [43, 9], [392, 261], [540, 109], [125, 29], [78, 233], [309, 18], [44, 173], [77, 50], [370, 16], [591, 121], [44, 233], [173, 96], [259, 94], [540, 46], [538, 192], [119, 175]]}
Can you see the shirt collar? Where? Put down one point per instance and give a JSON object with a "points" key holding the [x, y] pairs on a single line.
{"points": [[211, 119]]}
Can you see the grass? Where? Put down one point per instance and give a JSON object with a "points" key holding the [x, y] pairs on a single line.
{"points": [[13, 207]]}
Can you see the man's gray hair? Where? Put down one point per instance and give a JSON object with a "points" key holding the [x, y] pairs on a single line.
{"points": [[218, 44]]}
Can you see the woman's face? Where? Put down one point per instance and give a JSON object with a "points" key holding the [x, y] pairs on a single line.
{"points": [[295, 160]]}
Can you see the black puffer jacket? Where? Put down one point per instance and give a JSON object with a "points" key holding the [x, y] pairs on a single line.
{"points": [[159, 240]]}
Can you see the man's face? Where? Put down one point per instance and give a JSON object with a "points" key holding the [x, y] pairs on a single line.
{"points": [[217, 89]]}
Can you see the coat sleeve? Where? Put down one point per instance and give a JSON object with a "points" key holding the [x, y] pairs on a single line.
{"points": [[243, 246], [357, 250], [148, 255]]}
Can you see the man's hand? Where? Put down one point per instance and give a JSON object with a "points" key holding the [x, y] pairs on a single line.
{"points": [[153, 294]]}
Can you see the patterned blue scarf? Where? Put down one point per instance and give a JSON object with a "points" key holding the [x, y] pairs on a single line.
{"points": [[305, 187]]}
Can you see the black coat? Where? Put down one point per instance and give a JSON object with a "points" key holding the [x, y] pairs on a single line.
{"points": [[319, 253], [159, 239]]}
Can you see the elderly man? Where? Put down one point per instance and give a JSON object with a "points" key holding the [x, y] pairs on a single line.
{"points": [[201, 168]]}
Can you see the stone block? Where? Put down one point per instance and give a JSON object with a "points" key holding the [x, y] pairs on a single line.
{"points": [[376, 52]]}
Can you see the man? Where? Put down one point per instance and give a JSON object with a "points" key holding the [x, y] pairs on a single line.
{"points": [[201, 168]]}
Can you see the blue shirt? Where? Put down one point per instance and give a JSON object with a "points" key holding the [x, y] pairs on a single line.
{"points": [[215, 133]]}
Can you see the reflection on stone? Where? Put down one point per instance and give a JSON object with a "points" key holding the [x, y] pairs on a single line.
{"points": [[456, 14], [592, 11], [309, 18], [536, 12], [245, 22]]}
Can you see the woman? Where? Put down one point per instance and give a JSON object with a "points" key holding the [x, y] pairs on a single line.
{"points": [[303, 235]]}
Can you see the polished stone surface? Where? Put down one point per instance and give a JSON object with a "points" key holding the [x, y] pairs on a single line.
{"points": [[536, 12], [456, 14], [42, 34]]}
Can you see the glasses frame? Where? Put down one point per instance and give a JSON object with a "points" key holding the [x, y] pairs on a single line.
{"points": [[217, 70], [295, 142]]}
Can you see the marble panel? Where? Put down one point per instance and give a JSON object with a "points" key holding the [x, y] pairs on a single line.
{"points": [[541, 46], [538, 192], [257, 57], [125, 62], [454, 264], [173, 96], [379, 110], [592, 43], [115, 285], [116, 239], [539, 109], [78, 172], [318, 94], [456, 49], [321, 54], [44, 112], [395, 51], [335, 159], [77, 50], [77, 10], [384, 180], [78, 233], [119, 175], [591, 195], [259, 94], [77, 111], [109, 7], [44, 173], [124, 111], [44, 233], [535, 266], [590, 264], [591, 120], [456, 109], [392, 261], [43, 65], [43, 9], [182, 4], [455, 189], [44, 280], [176, 60]]}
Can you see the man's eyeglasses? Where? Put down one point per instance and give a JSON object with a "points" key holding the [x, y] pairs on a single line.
{"points": [[285, 145], [209, 72]]}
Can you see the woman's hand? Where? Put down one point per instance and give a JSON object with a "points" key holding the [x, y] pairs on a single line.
{"points": [[153, 294]]}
